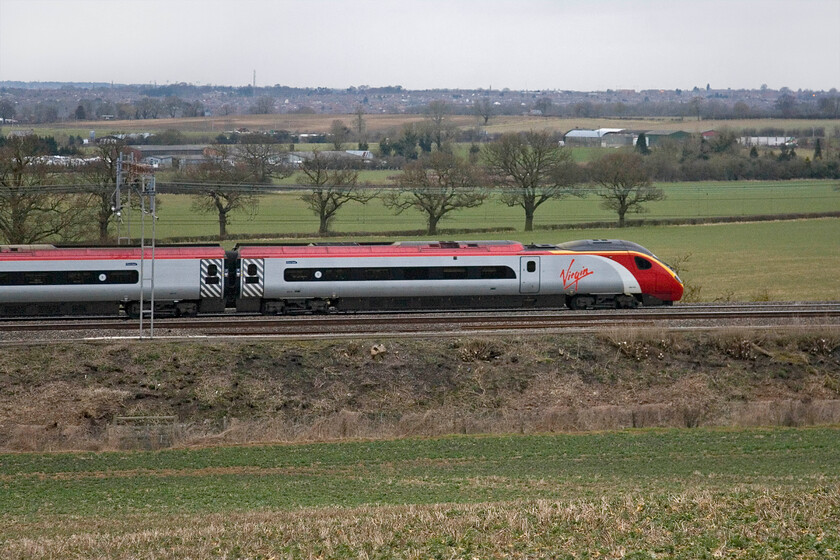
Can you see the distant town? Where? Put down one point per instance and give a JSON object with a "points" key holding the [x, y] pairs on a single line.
{"points": [[46, 102]]}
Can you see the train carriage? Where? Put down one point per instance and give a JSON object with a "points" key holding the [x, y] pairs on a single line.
{"points": [[278, 279], [50, 280], [422, 275]]}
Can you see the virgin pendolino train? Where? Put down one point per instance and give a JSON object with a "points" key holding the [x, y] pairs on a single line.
{"points": [[319, 278]]}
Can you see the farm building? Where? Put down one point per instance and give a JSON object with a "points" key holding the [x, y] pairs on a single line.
{"points": [[179, 150], [158, 162], [602, 137], [771, 141], [655, 137]]}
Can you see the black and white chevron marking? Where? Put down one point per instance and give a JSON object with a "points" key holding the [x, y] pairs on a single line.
{"points": [[252, 278], [212, 285]]}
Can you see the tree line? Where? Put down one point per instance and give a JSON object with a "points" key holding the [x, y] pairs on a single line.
{"points": [[40, 202]]}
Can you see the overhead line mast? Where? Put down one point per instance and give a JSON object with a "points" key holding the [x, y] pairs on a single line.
{"points": [[141, 179]]}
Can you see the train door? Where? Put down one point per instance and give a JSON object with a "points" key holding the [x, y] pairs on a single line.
{"points": [[252, 278], [212, 278], [529, 275]]}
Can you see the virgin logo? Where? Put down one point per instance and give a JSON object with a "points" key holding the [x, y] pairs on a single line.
{"points": [[572, 277]]}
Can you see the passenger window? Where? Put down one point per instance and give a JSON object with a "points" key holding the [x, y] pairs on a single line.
{"points": [[643, 264], [454, 273], [296, 274], [532, 266]]}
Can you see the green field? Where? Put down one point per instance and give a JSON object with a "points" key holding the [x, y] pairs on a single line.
{"points": [[638, 494], [284, 213]]}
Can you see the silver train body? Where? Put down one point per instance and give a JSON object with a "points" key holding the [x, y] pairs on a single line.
{"points": [[49, 280], [278, 279]]}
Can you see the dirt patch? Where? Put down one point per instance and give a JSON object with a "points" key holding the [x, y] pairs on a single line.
{"points": [[66, 396]]}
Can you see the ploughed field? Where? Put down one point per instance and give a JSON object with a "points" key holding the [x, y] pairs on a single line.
{"points": [[677, 493]]}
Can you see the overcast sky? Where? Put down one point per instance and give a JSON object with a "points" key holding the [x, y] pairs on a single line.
{"points": [[519, 44]]}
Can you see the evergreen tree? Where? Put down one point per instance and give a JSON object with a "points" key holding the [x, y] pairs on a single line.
{"points": [[817, 150], [642, 144]]}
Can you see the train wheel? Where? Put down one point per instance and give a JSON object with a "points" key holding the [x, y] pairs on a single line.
{"points": [[580, 302], [133, 310]]}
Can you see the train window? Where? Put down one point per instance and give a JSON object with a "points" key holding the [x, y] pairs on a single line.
{"points": [[531, 266], [251, 270], [123, 277], [496, 272], [415, 273], [643, 264], [296, 275], [394, 274], [68, 278], [36, 278], [454, 273], [337, 274], [212, 270], [376, 274]]}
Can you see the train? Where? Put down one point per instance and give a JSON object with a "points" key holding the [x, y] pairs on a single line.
{"points": [[276, 279]]}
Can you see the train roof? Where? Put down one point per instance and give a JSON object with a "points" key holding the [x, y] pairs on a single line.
{"points": [[407, 248], [596, 245], [53, 252], [396, 248]]}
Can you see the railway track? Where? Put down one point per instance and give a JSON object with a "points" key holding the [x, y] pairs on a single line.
{"points": [[689, 316]]}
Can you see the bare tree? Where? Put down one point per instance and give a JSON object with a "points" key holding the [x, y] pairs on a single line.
{"points": [[7, 109], [37, 203], [264, 158], [437, 122], [624, 184], [100, 182], [333, 185], [533, 169], [262, 106], [436, 186], [484, 109], [172, 104], [148, 107], [339, 133], [361, 131], [221, 187]]}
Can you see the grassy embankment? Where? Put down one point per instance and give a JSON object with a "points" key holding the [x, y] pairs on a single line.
{"points": [[639, 494]]}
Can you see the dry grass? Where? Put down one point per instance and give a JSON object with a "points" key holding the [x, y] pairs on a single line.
{"points": [[67, 396], [702, 522]]}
